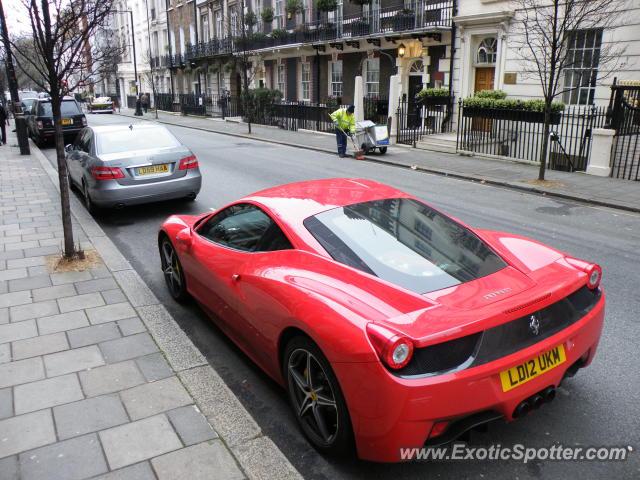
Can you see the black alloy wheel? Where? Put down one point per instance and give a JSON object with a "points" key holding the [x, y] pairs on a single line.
{"points": [[172, 271], [316, 398]]}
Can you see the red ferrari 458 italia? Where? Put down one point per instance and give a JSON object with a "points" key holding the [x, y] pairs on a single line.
{"points": [[389, 323]]}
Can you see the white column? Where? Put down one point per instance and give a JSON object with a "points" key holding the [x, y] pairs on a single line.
{"points": [[601, 143], [358, 99], [394, 96]]}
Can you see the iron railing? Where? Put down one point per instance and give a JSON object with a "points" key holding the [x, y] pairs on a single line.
{"points": [[165, 101], [519, 134], [376, 109], [417, 119], [192, 104], [624, 118], [286, 115], [131, 101]]}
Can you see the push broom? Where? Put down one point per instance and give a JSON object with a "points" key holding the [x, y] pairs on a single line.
{"points": [[357, 153]]}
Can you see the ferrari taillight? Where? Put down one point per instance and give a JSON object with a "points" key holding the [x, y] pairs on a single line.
{"points": [[594, 274], [394, 349], [593, 271]]}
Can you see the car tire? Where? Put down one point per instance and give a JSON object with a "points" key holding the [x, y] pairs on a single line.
{"points": [[39, 141], [88, 203], [172, 271], [323, 419]]}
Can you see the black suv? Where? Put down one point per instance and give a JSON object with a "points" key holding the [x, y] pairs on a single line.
{"points": [[40, 122]]}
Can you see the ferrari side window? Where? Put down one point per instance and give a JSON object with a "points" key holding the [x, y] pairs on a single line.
{"points": [[240, 226], [273, 239]]}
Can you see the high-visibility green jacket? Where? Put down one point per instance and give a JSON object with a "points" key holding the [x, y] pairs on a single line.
{"points": [[345, 121]]}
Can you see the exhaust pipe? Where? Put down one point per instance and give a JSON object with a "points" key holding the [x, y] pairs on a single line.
{"points": [[522, 409], [536, 401], [548, 394]]}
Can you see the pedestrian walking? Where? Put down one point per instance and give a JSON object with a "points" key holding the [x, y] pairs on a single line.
{"points": [[145, 102], [345, 123], [4, 121]]}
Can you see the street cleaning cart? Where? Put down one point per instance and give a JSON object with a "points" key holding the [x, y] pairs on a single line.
{"points": [[370, 136]]}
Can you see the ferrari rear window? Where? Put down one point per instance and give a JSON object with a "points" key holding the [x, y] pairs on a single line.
{"points": [[404, 242]]}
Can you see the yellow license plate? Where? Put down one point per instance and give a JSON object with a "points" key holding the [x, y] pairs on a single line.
{"points": [[153, 169], [66, 121], [535, 367]]}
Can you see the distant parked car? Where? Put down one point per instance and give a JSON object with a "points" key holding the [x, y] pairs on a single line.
{"points": [[27, 105], [101, 105], [40, 122], [119, 165], [27, 94]]}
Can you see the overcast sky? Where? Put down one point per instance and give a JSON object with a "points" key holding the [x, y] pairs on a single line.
{"points": [[17, 16]]}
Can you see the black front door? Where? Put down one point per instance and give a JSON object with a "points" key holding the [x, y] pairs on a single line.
{"points": [[413, 110]]}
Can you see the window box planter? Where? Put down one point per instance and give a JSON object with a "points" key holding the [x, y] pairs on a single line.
{"points": [[435, 100]]}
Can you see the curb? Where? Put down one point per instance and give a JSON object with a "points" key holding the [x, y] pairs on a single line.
{"points": [[256, 454], [432, 171]]}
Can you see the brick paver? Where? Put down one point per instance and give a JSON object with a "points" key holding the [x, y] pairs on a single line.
{"points": [[84, 389]]}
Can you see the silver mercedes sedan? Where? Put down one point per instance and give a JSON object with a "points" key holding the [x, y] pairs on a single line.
{"points": [[119, 165]]}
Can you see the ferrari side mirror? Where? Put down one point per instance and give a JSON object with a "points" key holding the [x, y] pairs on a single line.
{"points": [[184, 237]]}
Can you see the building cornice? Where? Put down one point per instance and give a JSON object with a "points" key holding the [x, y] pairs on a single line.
{"points": [[484, 18]]}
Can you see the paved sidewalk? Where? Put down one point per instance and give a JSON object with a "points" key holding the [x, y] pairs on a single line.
{"points": [[96, 379], [609, 192]]}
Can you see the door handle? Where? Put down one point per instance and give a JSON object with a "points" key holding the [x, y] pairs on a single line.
{"points": [[235, 277]]}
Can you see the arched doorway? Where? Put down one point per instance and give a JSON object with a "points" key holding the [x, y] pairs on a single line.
{"points": [[485, 64], [416, 72]]}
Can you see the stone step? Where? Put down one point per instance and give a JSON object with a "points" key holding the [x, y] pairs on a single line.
{"points": [[444, 146]]}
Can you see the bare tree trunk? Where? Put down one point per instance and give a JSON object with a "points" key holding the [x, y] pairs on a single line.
{"points": [[546, 128], [63, 179]]}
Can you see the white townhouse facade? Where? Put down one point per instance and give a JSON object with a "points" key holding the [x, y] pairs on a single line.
{"points": [[487, 58], [151, 40]]}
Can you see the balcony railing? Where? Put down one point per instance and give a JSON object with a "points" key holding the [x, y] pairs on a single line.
{"points": [[429, 15]]}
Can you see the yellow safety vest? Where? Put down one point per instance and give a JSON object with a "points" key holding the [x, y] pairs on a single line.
{"points": [[344, 120]]}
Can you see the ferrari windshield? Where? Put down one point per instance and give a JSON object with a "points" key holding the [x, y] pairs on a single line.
{"points": [[404, 242]]}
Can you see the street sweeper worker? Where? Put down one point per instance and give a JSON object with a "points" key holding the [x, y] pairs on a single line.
{"points": [[345, 122]]}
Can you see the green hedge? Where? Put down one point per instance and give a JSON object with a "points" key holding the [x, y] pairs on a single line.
{"points": [[496, 99], [278, 33], [257, 104], [433, 92], [495, 94]]}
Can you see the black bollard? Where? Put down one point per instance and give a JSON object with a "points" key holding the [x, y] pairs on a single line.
{"points": [[21, 131]]}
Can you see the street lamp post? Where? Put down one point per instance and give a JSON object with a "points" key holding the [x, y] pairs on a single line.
{"points": [[135, 62]]}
